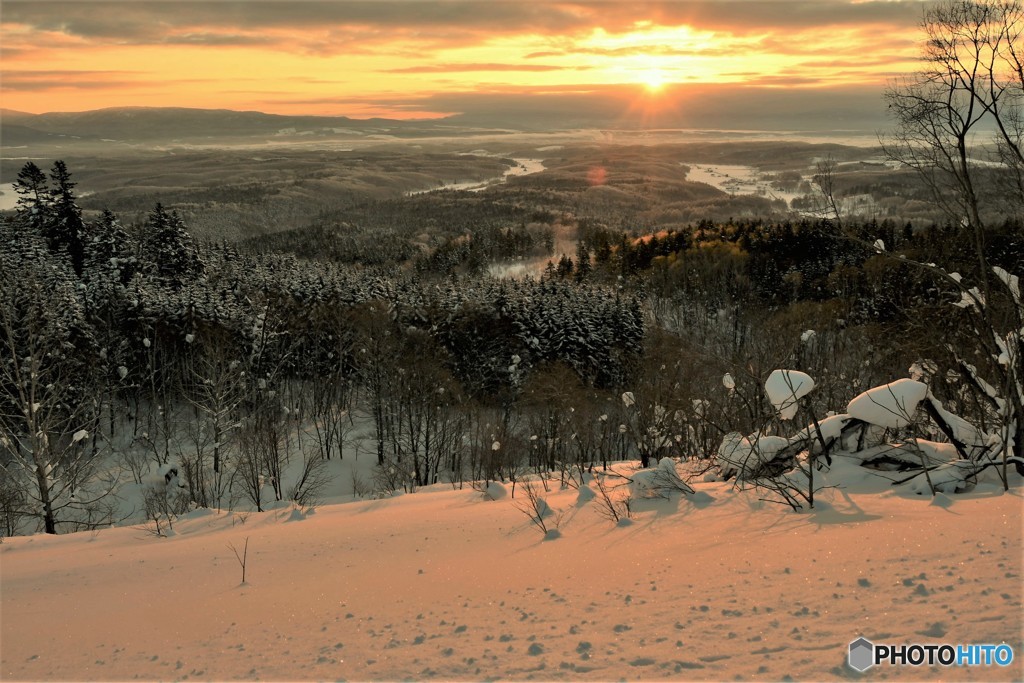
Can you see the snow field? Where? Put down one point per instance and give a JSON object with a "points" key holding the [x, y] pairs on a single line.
{"points": [[521, 167], [451, 585]]}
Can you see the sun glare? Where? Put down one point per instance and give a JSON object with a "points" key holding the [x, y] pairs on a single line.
{"points": [[653, 79]]}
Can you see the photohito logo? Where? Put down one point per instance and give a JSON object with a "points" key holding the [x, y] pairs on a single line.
{"points": [[864, 654]]}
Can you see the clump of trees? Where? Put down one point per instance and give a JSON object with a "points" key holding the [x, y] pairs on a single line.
{"points": [[972, 79], [209, 359]]}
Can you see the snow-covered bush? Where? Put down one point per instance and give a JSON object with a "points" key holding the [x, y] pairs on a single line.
{"points": [[883, 428], [750, 457], [164, 498], [540, 513], [661, 481], [650, 427], [613, 505]]}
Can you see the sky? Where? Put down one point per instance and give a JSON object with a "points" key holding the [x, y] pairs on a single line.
{"points": [[645, 62]]}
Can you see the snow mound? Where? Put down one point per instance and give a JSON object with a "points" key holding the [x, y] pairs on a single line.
{"points": [[496, 490], [832, 432], [701, 499], [586, 495], [962, 430], [948, 478], [891, 405], [832, 426], [785, 388], [658, 482]]}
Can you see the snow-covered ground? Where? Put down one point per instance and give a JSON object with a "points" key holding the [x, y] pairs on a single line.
{"points": [[444, 584], [8, 197], [736, 179], [522, 167]]}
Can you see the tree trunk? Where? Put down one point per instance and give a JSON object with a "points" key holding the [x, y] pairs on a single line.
{"points": [[50, 524]]}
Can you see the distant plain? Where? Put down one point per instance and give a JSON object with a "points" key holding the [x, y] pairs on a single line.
{"points": [[260, 182]]}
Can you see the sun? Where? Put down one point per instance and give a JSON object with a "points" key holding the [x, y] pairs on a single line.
{"points": [[653, 79]]}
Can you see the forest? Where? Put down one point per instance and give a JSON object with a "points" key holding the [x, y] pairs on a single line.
{"points": [[239, 368]]}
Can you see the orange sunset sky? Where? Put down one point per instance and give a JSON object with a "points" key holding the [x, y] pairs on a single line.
{"points": [[430, 58]]}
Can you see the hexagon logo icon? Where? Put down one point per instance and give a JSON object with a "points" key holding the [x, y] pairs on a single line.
{"points": [[862, 654]]}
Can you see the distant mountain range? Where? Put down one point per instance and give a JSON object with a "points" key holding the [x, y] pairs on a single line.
{"points": [[145, 124], [717, 107]]}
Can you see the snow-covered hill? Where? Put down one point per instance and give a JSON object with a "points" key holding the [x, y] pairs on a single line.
{"points": [[447, 585]]}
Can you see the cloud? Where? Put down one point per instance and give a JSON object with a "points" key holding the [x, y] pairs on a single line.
{"points": [[11, 53], [219, 39], [308, 22], [416, 44], [854, 63], [656, 50], [451, 21], [78, 79], [40, 80], [755, 16], [465, 68], [786, 79]]}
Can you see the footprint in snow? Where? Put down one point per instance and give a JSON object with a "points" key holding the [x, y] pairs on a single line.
{"points": [[643, 661]]}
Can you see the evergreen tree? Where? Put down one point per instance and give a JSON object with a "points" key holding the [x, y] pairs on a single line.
{"points": [[549, 271], [583, 266], [108, 255], [65, 229], [565, 267], [169, 249], [33, 196]]}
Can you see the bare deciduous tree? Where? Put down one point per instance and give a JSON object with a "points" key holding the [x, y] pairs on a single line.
{"points": [[214, 383], [826, 202], [537, 509], [45, 415], [971, 81]]}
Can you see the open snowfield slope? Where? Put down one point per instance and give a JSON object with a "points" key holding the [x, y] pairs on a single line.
{"points": [[446, 585]]}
